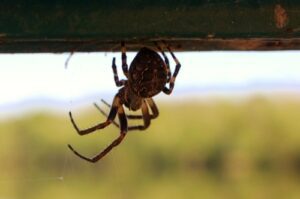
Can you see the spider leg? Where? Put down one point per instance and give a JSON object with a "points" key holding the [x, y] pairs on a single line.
{"points": [[146, 117], [128, 116], [172, 80], [124, 59], [145, 114], [105, 102], [116, 142], [116, 76], [114, 122], [153, 108], [167, 64], [111, 116], [150, 101], [105, 114]]}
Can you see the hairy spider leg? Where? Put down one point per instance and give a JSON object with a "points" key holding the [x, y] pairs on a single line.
{"points": [[172, 80], [153, 108], [116, 76], [124, 59], [107, 104], [116, 142], [111, 116], [167, 64], [146, 118], [144, 115], [105, 114], [150, 102]]}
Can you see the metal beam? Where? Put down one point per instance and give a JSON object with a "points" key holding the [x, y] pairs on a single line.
{"points": [[100, 25]]}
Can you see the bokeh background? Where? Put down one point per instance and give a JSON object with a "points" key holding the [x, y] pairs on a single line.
{"points": [[230, 130]]}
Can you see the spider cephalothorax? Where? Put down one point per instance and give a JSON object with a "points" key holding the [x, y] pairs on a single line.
{"points": [[147, 76]]}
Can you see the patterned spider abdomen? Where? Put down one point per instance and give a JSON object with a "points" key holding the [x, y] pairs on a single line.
{"points": [[147, 73]]}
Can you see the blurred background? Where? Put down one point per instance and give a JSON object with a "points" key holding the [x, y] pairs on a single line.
{"points": [[230, 129]]}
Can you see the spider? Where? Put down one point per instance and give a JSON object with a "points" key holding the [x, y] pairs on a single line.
{"points": [[147, 76]]}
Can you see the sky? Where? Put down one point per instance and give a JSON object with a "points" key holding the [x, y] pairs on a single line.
{"points": [[33, 77]]}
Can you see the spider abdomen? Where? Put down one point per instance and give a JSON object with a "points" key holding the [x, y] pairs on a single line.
{"points": [[147, 73]]}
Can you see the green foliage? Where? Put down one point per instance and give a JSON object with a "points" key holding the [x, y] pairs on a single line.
{"points": [[207, 149]]}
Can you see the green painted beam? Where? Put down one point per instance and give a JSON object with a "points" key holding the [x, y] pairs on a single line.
{"points": [[64, 26]]}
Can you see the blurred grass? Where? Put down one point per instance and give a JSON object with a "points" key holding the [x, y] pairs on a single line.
{"points": [[207, 149]]}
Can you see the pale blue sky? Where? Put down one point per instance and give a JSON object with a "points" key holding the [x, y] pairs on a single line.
{"points": [[33, 76]]}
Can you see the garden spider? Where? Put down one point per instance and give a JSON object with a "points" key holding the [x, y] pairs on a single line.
{"points": [[147, 76]]}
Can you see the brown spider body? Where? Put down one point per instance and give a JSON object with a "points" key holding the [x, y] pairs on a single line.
{"points": [[147, 76], [147, 73]]}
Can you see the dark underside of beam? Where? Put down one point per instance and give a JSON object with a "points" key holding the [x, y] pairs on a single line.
{"points": [[187, 25]]}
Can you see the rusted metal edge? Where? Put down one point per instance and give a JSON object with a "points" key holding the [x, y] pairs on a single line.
{"points": [[178, 44]]}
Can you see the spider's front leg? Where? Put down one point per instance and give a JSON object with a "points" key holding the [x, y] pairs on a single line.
{"points": [[111, 116], [105, 114], [116, 142]]}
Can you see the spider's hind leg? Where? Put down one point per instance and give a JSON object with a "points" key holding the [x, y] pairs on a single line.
{"points": [[167, 64], [116, 76], [124, 59], [124, 66], [173, 78]]}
